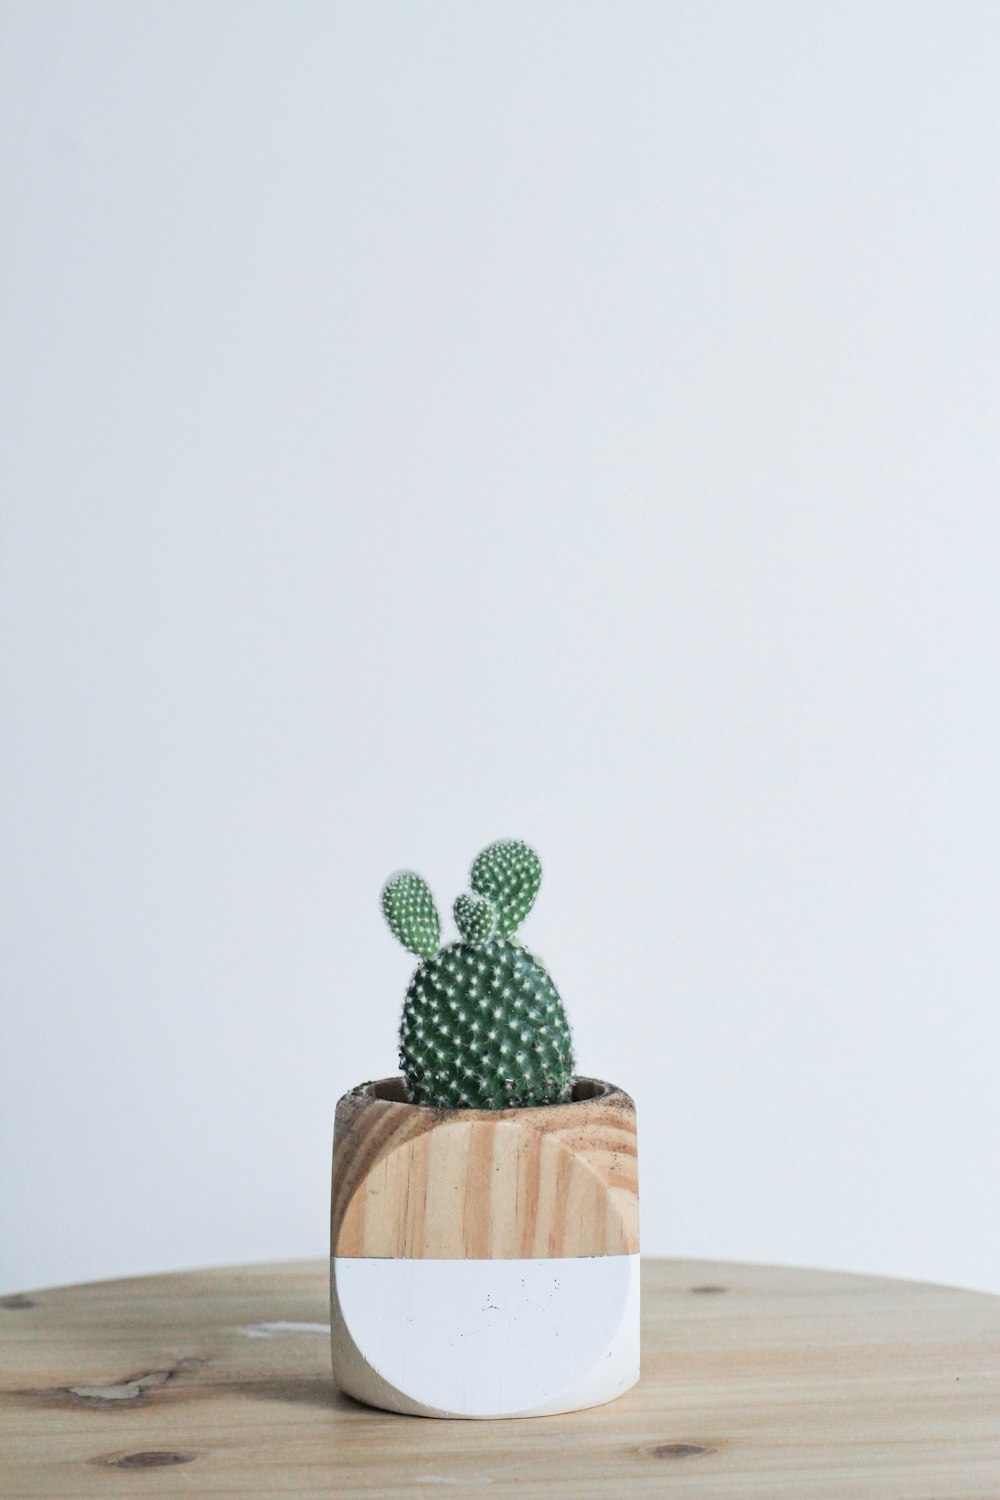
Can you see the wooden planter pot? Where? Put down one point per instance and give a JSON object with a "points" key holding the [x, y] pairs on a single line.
{"points": [[485, 1263]]}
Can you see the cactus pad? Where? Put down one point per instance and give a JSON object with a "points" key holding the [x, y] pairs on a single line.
{"points": [[508, 873], [475, 918], [410, 912], [484, 1028]]}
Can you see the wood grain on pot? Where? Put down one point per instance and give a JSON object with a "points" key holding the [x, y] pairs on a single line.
{"points": [[410, 1182]]}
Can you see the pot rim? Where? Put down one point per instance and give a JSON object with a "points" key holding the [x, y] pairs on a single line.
{"points": [[392, 1090]]}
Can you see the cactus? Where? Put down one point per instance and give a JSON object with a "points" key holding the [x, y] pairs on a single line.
{"points": [[483, 1026]]}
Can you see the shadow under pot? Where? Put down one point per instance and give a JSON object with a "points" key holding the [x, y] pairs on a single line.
{"points": [[485, 1263]]}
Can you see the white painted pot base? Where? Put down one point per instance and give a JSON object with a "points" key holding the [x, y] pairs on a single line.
{"points": [[485, 1338]]}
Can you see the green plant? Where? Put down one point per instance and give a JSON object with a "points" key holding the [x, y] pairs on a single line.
{"points": [[483, 1026]]}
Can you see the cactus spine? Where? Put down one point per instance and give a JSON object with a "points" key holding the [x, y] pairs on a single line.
{"points": [[483, 1026]]}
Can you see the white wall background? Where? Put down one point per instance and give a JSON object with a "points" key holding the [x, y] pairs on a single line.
{"points": [[427, 422]]}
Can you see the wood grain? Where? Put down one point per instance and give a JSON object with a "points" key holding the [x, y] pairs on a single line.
{"points": [[416, 1183], [758, 1384]]}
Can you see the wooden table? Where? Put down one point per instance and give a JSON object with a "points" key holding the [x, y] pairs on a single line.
{"points": [[756, 1382]]}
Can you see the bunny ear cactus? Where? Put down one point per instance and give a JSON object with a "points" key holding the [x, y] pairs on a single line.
{"points": [[483, 1026]]}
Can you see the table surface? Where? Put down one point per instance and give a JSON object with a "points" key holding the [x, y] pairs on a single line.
{"points": [[756, 1381]]}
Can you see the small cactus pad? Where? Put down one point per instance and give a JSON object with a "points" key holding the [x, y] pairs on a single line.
{"points": [[410, 911], [484, 1028], [508, 873], [476, 919]]}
